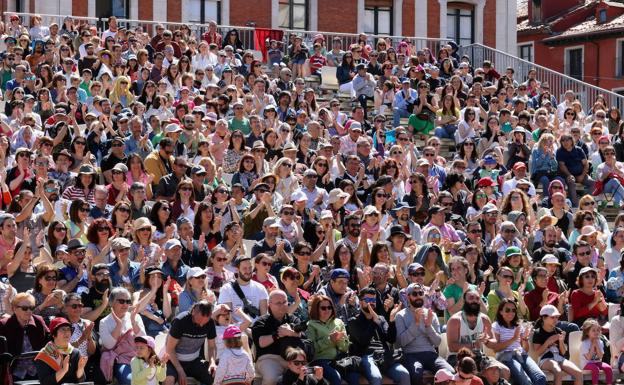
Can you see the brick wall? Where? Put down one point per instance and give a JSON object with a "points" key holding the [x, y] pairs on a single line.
{"points": [[244, 11], [337, 16], [433, 19], [80, 8], [174, 10], [146, 11], [489, 23], [408, 18]]}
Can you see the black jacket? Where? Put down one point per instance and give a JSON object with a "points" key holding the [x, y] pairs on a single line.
{"points": [[292, 378], [367, 337]]}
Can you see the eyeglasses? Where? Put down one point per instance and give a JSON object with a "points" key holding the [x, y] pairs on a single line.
{"points": [[325, 308], [308, 253], [124, 301], [586, 253], [123, 209], [429, 155], [396, 153], [51, 278], [165, 208], [588, 218], [60, 229], [26, 308], [80, 142], [288, 212], [509, 231], [220, 259], [590, 275], [266, 264], [76, 306], [589, 203], [418, 274], [475, 231], [509, 310], [186, 189], [84, 209], [298, 363], [103, 228], [419, 293], [507, 276], [200, 277], [381, 195]]}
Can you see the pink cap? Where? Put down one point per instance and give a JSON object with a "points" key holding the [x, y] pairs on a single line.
{"points": [[231, 332], [147, 340]]}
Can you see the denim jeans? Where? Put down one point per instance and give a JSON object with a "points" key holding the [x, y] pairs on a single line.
{"points": [[329, 372], [397, 372], [613, 186], [524, 371], [446, 131], [123, 373], [397, 114], [589, 188], [417, 363]]}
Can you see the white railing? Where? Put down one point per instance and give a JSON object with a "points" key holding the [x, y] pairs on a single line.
{"points": [[559, 83], [48, 19]]}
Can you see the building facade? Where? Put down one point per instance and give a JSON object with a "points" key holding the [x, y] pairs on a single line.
{"points": [[583, 39], [489, 22]]}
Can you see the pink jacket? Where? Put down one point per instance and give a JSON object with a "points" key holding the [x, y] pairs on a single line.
{"points": [[122, 353]]}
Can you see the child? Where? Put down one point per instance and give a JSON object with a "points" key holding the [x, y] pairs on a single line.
{"points": [[235, 365], [147, 368], [275, 53], [370, 226], [592, 350], [222, 315]]}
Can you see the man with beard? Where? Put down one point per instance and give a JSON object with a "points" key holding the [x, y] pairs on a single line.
{"points": [[433, 295], [272, 333], [160, 162], [418, 334], [468, 328], [245, 291], [352, 238], [168, 184], [550, 246], [95, 299], [72, 276], [582, 253], [402, 212], [387, 294]]}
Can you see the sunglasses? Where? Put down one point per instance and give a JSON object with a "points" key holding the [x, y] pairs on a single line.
{"points": [[26, 308], [507, 276], [419, 293], [509, 310], [60, 229], [84, 209], [76, 306], [125, 301], [123, 210], [51, 278], [266, 264], [299, 363], [325, 308], [418, 274], [288, 212]]}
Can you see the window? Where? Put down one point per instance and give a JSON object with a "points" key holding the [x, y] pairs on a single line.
{"points": [[460, 23], [293, 14], [378, 19], [574, 62], [120, 8], [536, 15], [602, 16], [619, 58], [203, 11], [525, 52]]}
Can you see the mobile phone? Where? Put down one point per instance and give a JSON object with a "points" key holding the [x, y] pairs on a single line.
{"points": [[309, 370]]}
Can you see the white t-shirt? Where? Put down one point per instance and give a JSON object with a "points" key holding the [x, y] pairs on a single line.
{"points": [[254, 292]]}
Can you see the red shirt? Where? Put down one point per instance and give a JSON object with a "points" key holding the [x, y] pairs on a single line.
{"points": [[579, 302], [534, 298]]}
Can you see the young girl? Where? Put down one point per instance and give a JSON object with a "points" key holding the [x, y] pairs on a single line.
{"points": [[370, 226], [147, 368], [235, 365], [222, 316], [592, 350]]}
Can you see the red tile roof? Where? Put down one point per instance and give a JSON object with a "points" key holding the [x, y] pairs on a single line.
{"points": [[523, 8], [591, 27]]}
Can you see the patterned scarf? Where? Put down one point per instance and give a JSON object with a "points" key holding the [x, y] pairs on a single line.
{"points": [[53, 354]]}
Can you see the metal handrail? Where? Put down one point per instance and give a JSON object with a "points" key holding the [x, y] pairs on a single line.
{"points": [[45, 17], [559, 83]]}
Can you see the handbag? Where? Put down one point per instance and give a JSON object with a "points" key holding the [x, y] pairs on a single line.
{"points": [[384, 359], [346, 365], [599, 185], [425, 116]]}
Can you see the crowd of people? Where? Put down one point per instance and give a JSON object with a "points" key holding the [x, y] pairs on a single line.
{"points": [[175, 208]]}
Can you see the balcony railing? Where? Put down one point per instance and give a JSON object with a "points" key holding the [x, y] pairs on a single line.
{"points": [[559, 83]]}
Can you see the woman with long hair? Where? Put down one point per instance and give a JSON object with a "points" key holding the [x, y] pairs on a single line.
{"points": [[345, 74], [205, 223], [155, 300], [195, 290], [587, 301], [344, 258], [142, 246], [287, 183], [447, 118], [184, 204], [77, 223], [99, 234], [510, 342], [425, 108], [505, 278], [48, 297], [84, 186], [121, 219], [247, 173], [161, 218], [121, 92], [235, 151], [217, 273], [137, 173]]}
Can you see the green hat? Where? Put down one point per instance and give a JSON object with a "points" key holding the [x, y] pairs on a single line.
{"points": [[512, 250]]}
